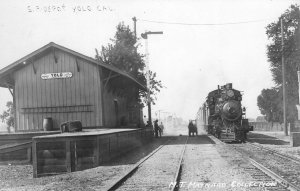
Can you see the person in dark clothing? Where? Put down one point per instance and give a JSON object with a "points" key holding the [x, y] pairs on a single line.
{"points": [[148, 124], [161, 128], [156, 128], [190, 126]]}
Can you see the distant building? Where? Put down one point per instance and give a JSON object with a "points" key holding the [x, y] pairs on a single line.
{"points": [[251, 120], [261, 119]]}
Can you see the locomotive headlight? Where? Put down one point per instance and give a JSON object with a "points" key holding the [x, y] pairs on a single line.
{"points": [[230, 93]]}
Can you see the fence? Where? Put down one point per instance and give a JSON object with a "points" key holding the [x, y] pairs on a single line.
{"points": [[266, 126]]}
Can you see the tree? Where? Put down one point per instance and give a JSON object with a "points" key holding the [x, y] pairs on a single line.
{"points": [[291, 52], [155, 86], [268, 103], [8, 116], [122, 53]]}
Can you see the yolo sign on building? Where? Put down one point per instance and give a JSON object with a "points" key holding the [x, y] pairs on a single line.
{"points": [[61, 75]]}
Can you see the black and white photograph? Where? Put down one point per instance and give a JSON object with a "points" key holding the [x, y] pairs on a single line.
{"points": [[146, 95]]}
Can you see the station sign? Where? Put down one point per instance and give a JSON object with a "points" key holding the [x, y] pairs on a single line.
{"points": [[61, 75]]}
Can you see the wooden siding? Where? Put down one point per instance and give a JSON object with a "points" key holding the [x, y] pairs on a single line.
{"points": [[75, 98], [109, 108]]}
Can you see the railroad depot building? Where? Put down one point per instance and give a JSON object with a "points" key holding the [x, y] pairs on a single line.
{"points": [[59, 83]]}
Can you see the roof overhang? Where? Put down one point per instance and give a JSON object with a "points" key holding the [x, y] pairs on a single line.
{"points": [[6, 79]]}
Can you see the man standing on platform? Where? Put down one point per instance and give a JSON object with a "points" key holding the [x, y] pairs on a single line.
{"points": [[161, 128], [156, 128]]}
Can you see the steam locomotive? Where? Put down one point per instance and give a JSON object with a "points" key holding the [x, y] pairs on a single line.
{"points": [[222, 115]]}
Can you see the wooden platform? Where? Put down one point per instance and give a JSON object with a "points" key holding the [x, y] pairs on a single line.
{"points": [[21, 137], [68, 152], [15, 148], [15, 153]]}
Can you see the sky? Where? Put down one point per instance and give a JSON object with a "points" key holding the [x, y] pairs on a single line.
{"points": [[190, 60]]}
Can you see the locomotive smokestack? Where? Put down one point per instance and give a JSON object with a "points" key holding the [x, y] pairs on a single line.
{"points": [[229, 85]]}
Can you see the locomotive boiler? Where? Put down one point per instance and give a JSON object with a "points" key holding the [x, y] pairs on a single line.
{"points": [[223, 115]]}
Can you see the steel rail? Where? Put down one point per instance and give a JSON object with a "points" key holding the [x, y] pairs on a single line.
{"points": [[117, 184], [215, 139], [275, 176], [276, 153], [179, 168]]}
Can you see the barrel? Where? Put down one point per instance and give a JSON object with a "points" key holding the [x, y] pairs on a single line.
{"points": [[48, 124]]}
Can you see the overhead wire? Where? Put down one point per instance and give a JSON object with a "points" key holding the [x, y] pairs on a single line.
{"points": [[204, 24]]}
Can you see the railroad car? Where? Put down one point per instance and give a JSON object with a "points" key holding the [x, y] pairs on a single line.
{"points": [[192, 128], [223, 116]]}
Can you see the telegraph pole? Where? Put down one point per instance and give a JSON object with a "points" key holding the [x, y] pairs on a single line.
{"points": [[298, 69], [148, 81], [136, 70], [283, 81], [134, 24]]}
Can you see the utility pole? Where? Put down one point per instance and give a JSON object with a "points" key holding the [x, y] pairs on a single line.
{"points": [[159, 111], [298, 69], [134, 24], [136, 70], [298, 72], [283, 81], [148, 81]]}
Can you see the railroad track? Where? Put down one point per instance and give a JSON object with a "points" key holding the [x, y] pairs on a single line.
{"points": [[282, 168], [131, 172], [262, 172], [261, 175], [179, 169], [283, 183], [275, 152]]}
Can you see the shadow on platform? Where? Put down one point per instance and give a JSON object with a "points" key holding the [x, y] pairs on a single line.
{"points": [[265, 139]]}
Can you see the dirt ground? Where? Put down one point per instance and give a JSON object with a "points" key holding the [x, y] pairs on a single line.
{"points": [[159, 170], [212, 163], [19, 177], [213, 166], [274, 140]]}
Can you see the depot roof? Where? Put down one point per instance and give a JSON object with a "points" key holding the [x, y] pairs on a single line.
{"points": [[6, 78]]}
